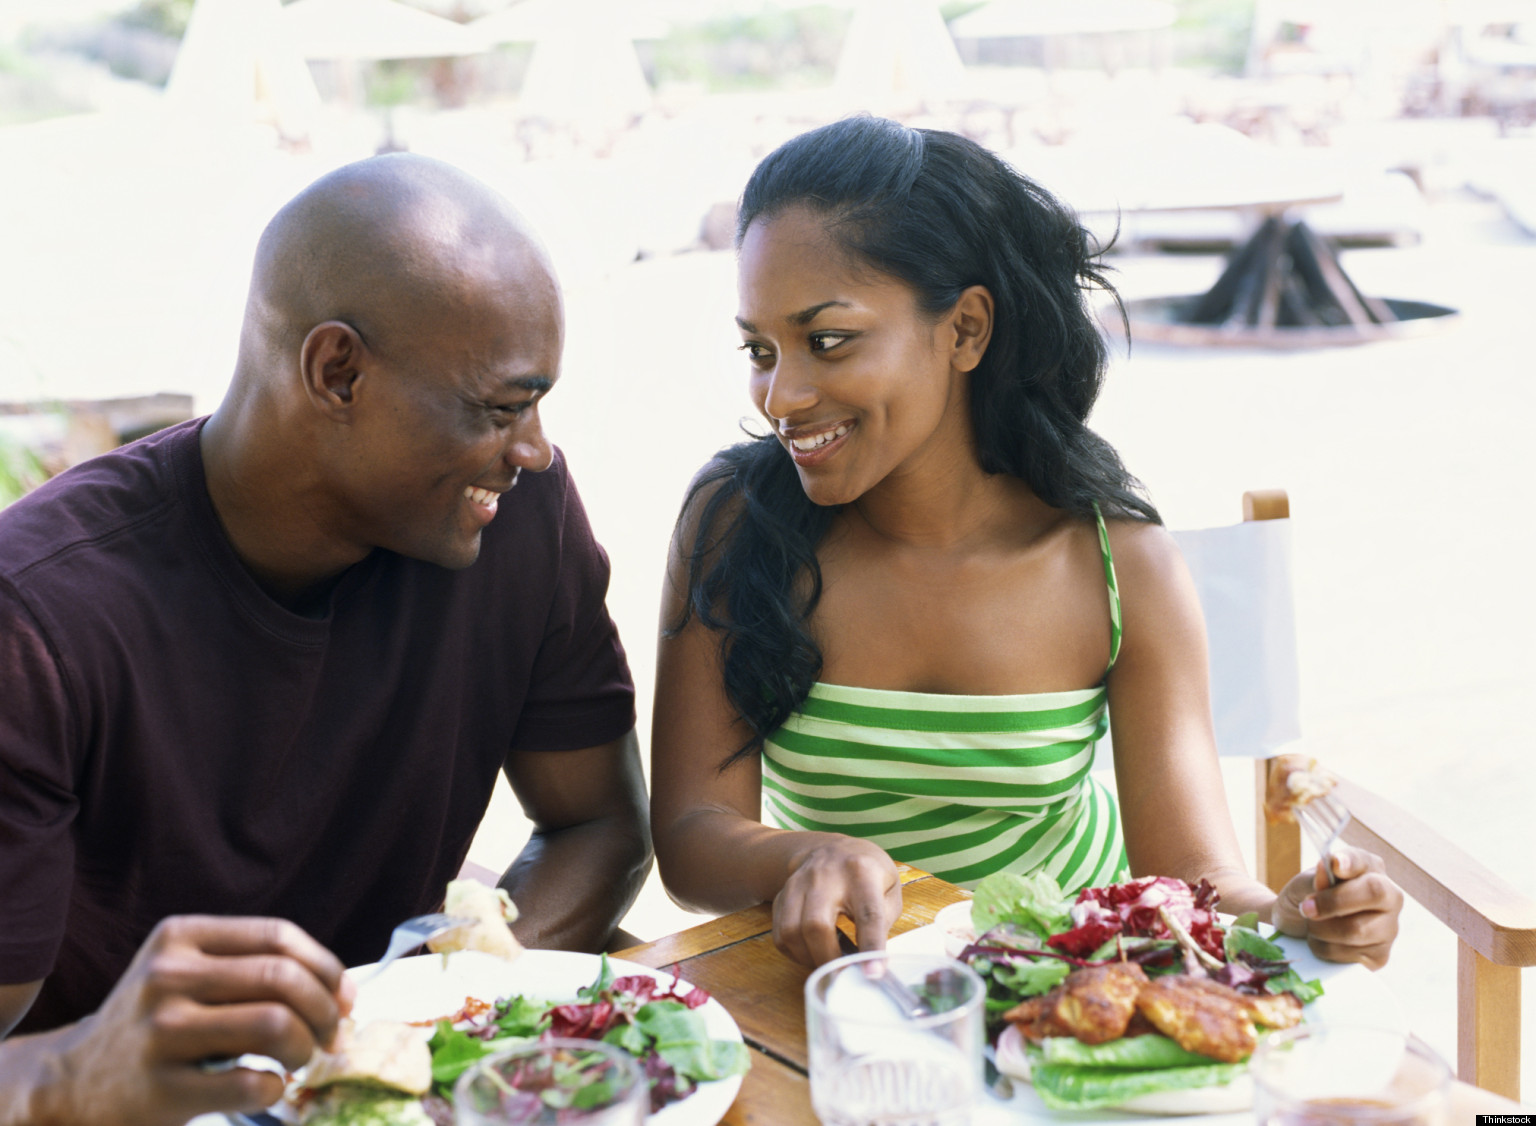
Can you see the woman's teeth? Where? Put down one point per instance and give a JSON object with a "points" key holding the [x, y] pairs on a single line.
{"points": [[819, 439], [485, 497]]}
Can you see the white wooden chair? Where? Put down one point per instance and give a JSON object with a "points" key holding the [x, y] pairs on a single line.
{"points": [[1494, 923]]}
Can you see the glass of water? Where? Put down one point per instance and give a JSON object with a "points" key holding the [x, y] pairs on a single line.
{"points": [[554, 1081], [874, 1063]]}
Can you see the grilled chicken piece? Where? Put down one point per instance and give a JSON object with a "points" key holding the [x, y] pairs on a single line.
{"points": [[1293, 780], [1272, 1010], [1032, 1017], [1201, 1016], [1094, 1004]]}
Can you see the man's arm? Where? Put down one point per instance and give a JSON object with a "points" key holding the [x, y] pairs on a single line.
{"points": [[591, 845], [199, 987]]}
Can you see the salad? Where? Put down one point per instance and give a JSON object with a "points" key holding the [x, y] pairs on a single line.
{"points": [[1127, 993], [657, 1024]]}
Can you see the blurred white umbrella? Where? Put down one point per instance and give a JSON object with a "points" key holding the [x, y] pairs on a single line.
{"points": [[584, 71], [373, 29], [1006, 18], [532, 20], [234, 66], [897, 52]]}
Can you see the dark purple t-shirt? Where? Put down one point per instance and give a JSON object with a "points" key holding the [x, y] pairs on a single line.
{"points": [[172, 740]]}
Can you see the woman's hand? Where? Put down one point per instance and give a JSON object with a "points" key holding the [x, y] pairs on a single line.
{"points": [[1353, 921], [835, 875]]}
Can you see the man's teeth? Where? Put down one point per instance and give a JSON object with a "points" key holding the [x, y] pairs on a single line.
{"points": [[819, 439], [486, 497]]}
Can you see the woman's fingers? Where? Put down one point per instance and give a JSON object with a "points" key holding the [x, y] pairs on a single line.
{"points": [[1356, 919], [842, 877]]}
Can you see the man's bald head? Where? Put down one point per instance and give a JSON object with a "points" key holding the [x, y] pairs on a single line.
{"points": [[387, 245]]}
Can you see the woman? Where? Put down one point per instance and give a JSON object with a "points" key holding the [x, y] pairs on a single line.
{"points": [[905, 615]]}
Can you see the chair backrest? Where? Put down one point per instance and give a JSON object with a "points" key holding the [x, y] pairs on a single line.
{"points": [[1242, 573]]}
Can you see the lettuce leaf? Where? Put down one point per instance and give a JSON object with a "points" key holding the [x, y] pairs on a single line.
{"points": [[1127, 1052], [1034, 902], [1068, 1087]]}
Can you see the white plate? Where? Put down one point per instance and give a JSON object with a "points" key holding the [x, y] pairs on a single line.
{"points": [[1350, 993], [428, 986]]}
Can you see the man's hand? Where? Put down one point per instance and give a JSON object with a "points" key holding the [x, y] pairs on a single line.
{"points": [[201, 987], [1353, 921], [836, 876]]}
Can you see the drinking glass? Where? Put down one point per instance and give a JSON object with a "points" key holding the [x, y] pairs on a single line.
{"points": [[872, 1064], [1348, 1075], [555, 1081]]}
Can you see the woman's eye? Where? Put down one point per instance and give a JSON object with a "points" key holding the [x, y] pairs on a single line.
{"points": [[826, 341], [755, 352]]}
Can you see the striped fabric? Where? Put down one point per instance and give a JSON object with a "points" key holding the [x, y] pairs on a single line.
{"points": [[961, 786]]}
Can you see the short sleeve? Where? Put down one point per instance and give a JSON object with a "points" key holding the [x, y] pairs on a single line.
{"points": [[580, 693], [37, 798]]}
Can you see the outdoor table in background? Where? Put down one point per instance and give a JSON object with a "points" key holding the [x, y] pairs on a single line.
{"points": [[735, 960]]}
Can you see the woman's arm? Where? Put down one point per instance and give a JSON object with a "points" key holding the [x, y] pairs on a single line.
{"points": [[1172, 802], [713, 851]]}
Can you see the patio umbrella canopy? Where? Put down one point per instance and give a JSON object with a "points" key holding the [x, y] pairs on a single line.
{"points": [[234, 65], [1018, 18], [898, 50], [584, 71], [373, 29]]}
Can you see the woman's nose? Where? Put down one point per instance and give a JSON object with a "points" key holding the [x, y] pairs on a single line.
{"points": [[789, 391]]}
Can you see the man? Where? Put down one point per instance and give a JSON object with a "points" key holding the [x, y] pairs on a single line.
{"points": [[266, 666]]}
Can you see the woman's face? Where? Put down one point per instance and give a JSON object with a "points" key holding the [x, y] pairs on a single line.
{"points": [[858, 384]]}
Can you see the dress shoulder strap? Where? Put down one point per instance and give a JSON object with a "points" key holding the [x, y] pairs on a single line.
{"points": [[1112, 584]]}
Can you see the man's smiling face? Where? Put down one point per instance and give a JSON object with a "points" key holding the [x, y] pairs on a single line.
{"points": [[452, 420]]}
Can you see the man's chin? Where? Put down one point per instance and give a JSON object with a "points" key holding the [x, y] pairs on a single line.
{"points": [[453, 557]]}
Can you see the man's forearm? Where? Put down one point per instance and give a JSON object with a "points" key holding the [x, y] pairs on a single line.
{"points": [[572, 886]]}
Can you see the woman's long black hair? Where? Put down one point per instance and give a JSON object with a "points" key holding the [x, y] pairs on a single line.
{"points": [[941, 214]]}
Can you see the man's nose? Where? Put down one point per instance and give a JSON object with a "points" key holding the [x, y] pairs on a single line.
{"points": [[530, 449]]}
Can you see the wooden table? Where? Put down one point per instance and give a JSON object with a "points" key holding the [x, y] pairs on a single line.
{"points": [[734, 958]]}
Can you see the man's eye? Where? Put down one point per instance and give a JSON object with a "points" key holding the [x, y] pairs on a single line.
{"points": [[826, 341]]}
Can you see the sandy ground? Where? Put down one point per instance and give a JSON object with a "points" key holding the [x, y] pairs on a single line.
{"points": [[1408, 463]]}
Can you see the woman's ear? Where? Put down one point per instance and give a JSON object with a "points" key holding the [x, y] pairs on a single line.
{"points": [[330, 364], [972, 321]]}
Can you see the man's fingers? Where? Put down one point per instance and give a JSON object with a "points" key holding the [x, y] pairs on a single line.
{"points": [[187, 1032], [235, 935], [242, 1089], [227, 981]]}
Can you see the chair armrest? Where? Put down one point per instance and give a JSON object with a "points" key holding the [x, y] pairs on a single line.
{"points": [[1488, 914]]}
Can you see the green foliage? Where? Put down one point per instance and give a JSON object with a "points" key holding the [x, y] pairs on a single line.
{"points": [[168, 17], [772, 48], [20, 470], [1214, 33]]}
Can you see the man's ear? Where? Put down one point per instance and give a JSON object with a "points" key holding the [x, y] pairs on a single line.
{"points": [[330, 363], [972, 321]]}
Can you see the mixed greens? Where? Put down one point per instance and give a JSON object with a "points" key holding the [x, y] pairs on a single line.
{"points": [[1031, 936], [659, 1027]]}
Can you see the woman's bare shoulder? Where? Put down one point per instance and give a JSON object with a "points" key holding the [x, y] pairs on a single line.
{"points": [[1145, 554]]}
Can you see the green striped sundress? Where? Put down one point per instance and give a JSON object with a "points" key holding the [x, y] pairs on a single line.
{"points": [[960, 786]]}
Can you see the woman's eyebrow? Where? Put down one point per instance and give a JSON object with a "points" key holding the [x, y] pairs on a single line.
{"points": [[803, 317]]}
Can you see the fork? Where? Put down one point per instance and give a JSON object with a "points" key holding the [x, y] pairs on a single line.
{"points": [[411, 934], [1324, 819], [904, 996]]}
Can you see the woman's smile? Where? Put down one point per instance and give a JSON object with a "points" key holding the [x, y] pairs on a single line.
{"points": [[814, 444]]}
